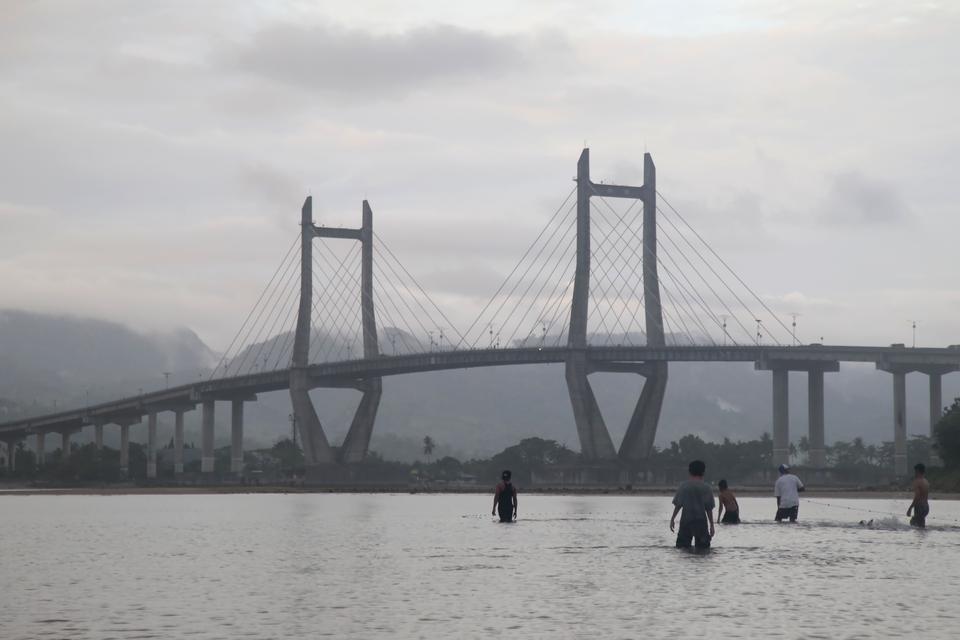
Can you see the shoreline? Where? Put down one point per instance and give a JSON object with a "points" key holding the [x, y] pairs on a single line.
{"points": [[748, 492]]}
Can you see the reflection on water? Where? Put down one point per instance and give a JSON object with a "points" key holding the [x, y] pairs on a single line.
{"points": [[363, 566]]}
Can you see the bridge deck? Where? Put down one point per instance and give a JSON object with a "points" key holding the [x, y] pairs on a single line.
{"points": [[343, 372]]}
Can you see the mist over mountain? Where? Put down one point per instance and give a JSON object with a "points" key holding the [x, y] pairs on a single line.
{"points": [[47, 357], [468, 412]]}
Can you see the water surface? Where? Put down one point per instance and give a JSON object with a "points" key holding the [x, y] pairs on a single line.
{"points": [[437, 566]]}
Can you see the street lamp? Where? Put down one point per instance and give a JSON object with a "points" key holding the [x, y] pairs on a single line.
{"points": [[794, 315]]}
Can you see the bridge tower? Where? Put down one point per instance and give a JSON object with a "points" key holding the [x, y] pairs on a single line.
{"points": [[595, 442], [316, 447]]}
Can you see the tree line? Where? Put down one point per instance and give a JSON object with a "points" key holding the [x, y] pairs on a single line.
{"points": [[851, 461]]}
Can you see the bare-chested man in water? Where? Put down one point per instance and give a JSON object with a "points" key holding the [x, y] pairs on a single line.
{"points": [[920, 506]]}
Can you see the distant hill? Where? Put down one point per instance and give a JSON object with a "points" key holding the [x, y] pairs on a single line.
{"points": [[45, 357]]}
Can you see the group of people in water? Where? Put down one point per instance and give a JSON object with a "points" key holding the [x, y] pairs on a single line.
{"points": [[694, 503]]}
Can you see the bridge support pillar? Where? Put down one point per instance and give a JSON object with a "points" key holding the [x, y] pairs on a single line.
{"points": [[98, 435], [65, 444], [781, 417], [936, 399], [236, 437], [178, 442], [11, 455], [206, 437], [357, 443], [595, 442], [316, 448], [41, 448], [124, 450], [152, 446], [816, 417], [900, 423], [638, 440]]}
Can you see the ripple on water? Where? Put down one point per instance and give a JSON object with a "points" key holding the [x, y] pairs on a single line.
{"points": [[406, 566]]}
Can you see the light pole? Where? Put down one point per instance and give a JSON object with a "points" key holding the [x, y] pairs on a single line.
{"points": [[794, 315], [166, 379], [914, 324], [759, 332]]}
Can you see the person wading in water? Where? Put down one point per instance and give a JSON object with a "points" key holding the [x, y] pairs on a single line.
{"points": [[505, 499], [728, 501], [920, 507]]}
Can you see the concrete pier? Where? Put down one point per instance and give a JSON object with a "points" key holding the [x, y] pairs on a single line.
{"points": [[152, 445], [357, 442], [642, 429], [11, 455], [936, 408], [815, 407], [178, 443], [206, 438], [124, 450], [236, 437], [781, 417], [900, 423], [936, 399], [41, 448], [64, 444], [781, 369], [98, 435]]}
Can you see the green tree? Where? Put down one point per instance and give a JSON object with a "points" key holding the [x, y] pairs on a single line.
{"points": [[289, 455], [947, 436]]}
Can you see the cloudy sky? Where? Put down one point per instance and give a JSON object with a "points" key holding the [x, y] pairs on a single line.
{"points": [[154, 156]]}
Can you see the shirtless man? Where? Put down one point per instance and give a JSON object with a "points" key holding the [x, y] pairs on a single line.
{"points": [[728, 501], [920, 506]]}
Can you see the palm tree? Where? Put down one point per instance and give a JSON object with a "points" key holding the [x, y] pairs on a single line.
{"points": [[428, 446]]}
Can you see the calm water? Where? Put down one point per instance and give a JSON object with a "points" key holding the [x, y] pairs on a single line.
{"points": [[437, 566]]}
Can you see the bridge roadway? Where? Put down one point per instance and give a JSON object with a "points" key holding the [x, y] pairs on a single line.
{"points": [[349, 372]]}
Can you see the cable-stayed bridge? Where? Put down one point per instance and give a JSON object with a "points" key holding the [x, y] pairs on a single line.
{"points": [[613, 282]]}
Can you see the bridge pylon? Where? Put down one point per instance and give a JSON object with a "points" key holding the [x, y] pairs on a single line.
{"points": [[316, 447], [595, 441]]}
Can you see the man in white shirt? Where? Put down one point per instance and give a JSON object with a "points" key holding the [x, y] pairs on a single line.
{"points": [[787, 491]]}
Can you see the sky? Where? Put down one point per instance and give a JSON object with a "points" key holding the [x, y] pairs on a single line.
{"points": [[154, 156]]}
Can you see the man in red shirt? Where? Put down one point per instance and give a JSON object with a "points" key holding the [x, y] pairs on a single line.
{"points": [[505, 499]]}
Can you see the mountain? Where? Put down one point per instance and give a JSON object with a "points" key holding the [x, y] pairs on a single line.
{"points": [[47, 357]]}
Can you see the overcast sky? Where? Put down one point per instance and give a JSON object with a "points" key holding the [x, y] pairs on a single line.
{"points": [[154, 156]]}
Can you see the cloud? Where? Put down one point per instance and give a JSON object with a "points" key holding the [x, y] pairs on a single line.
{"points": [[354, 63], [855, 199]]}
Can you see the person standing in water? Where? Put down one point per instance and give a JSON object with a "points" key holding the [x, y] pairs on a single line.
{"points": [[727, 501], [505, 499], [695, 498], [787, 491], [920, 507]]}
